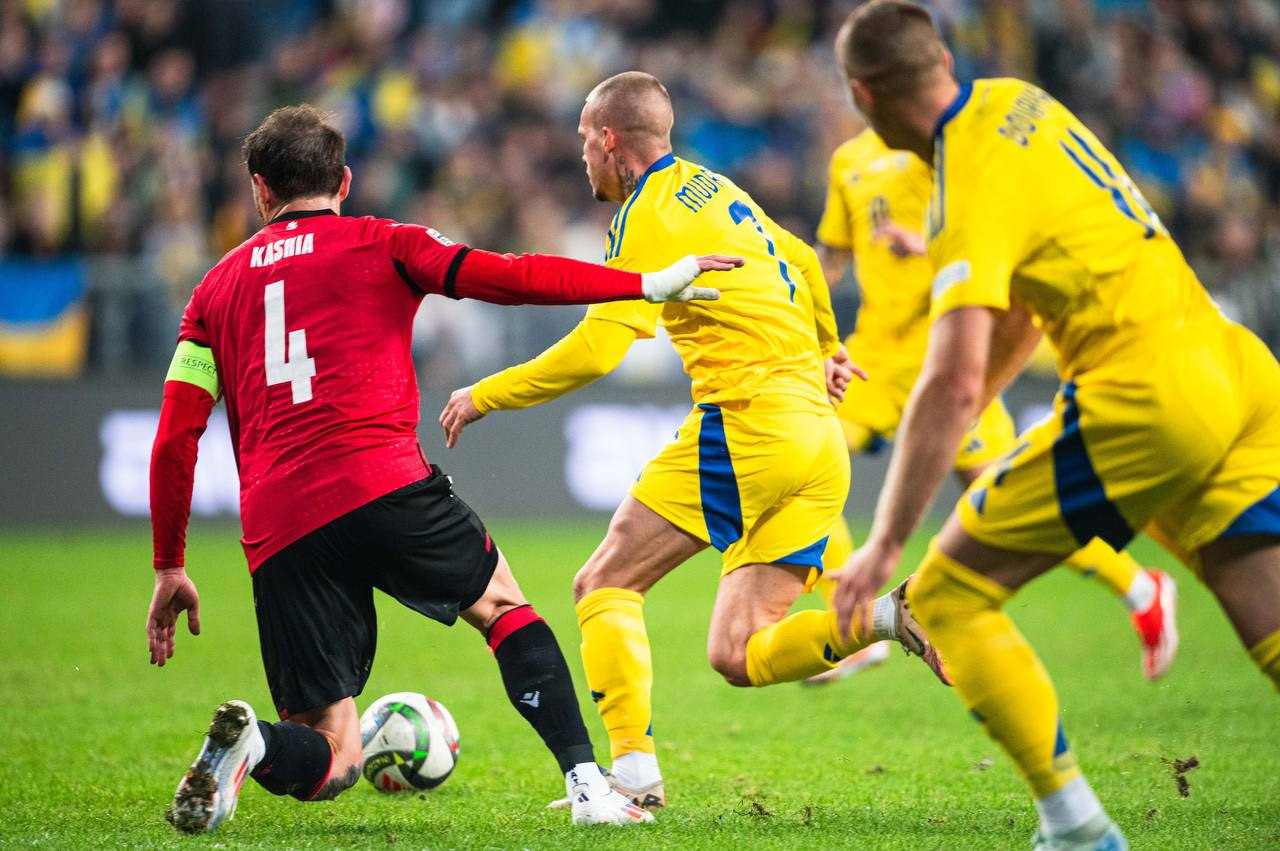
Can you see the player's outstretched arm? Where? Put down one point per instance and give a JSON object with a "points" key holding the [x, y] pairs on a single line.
{"points": [[190, 390], [592, 349], [945, 400], [546, 279]]}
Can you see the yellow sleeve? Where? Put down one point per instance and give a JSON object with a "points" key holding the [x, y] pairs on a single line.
{"points": [[592, 349], [801, 255], [835, 228], [976, 237]]}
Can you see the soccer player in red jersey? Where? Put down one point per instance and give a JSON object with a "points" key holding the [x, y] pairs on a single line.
{"points": [[305, 331]]}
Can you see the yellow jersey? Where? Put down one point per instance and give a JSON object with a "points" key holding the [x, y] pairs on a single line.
{"points": [[1028, 206], [768, 334], [868, 184]]}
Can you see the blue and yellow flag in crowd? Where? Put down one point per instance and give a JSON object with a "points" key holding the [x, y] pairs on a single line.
{"points": [[44, 326]]}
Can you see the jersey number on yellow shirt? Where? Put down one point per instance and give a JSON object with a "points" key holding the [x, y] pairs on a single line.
{"points": [[1126, 196], [740, 212]]}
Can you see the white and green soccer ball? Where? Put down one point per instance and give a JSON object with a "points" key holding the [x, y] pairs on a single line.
{"points": [[410, 742]]}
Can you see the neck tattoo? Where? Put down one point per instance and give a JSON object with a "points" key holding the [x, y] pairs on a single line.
{"points": [[629, 182]]}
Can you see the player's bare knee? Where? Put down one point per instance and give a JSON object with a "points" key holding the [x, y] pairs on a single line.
{"points": [[600, 571], [730, 663]]}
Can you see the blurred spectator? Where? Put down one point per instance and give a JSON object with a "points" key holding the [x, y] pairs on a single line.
{"points": [[120, 121]]}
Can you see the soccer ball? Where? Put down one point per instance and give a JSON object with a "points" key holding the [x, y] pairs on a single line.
{"points": [[410, 742]]}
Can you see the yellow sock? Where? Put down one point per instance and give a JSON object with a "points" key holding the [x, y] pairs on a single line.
{"points": [[619, 667], [803, 644], [994, 669], [839, 548], [1096, 558], [1266, 655]]}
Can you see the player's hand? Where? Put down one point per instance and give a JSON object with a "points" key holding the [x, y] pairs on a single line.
{"points": [[174, 594], [457, 415], [902, 242], [674, 282], [840, 370], [865, 573]]}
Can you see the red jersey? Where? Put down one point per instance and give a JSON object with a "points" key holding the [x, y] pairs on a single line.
{"points": [[310, 325]]}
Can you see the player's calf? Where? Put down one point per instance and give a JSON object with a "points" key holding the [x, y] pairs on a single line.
{"points": [[286, 758], [1244, 574]]}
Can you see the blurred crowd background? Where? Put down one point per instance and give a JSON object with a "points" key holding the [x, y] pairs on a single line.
{"points": [[121, 122]]}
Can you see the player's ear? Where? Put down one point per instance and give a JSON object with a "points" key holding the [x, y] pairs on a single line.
{"points": [[949, 61], [263, 197], [862, 97], [608, 140], [345, 188]]}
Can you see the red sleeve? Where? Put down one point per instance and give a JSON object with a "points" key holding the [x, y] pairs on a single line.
{"points": [[539, 279], [183, 417], [192, 325], [431, 263]]}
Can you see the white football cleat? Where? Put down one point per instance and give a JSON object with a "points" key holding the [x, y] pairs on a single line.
{"points": [[912, 636], [1109, 839], [610, 808], [207, 795], [1157, 626], [652, 797]]}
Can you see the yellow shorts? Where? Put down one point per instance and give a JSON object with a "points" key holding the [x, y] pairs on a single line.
{"points": [[872, 410], [1183, 441], [761, 484]]}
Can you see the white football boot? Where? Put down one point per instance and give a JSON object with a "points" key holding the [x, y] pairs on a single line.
{"points": [[1098, 834], [609, 808], [652, 797], [912, 636], [594, 801], [207, 795]]}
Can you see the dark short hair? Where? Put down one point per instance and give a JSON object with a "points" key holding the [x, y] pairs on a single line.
{"points": [[297, 153], [889, 45]]}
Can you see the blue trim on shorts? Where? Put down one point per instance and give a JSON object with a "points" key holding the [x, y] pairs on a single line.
{"points": [[1082, 499], [1261, 518], [721, 506], [810, 556]]}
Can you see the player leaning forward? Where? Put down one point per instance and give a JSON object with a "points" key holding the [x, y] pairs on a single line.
{"points": [[305, 331], [1168, 418], [757, 470]]}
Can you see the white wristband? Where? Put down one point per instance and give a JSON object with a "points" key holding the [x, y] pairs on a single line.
{"points": [[662, 285]]}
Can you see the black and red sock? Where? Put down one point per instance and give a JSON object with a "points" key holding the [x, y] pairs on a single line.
{"points": [[539, 684], [296, 762]]}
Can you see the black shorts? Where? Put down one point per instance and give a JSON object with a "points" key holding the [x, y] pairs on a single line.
{"points": [[314, 599]]}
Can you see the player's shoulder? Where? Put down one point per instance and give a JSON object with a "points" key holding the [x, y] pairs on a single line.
{"points": [[859, 151], [988, 110]]}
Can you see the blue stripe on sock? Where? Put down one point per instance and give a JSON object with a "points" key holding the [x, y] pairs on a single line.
{"points": [[1059, 742], [1082, 499]]}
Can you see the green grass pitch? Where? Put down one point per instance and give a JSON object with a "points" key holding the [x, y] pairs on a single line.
{"points": [[94, 740]]}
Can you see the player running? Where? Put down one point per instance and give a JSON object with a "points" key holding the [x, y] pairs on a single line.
{"points": [[1169, 413], [875, 208], [758, 469], [305, 331]]}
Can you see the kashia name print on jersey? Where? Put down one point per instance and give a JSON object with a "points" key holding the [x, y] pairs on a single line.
{"points": [[265, 255]]}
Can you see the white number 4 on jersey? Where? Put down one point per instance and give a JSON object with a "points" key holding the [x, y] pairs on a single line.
{"points": [[296, 369]]}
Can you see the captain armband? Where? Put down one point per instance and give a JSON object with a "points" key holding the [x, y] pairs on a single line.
{"points": [[193, 364]]}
